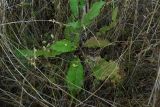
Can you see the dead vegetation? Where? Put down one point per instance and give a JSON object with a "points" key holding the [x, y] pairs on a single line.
{"points": [[39, 82]]}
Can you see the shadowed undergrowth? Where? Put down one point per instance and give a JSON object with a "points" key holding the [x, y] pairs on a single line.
{"points": [[95, 53]]}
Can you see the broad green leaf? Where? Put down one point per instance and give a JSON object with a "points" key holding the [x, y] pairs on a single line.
{"points": [[72, 28], [94, 42], [62, 46], [74, 7], [31, 53], [75, 76], [57, 48], [81, 4], [74, 25], [71, 32], [104, 29], [93, 13], [103, 69], [24, 53], [50, 53], [114, 14]]}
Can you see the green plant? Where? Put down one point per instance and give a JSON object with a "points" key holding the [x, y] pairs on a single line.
{"points": [[103, 69], [70, 43], [113, 23], [75, 76]]}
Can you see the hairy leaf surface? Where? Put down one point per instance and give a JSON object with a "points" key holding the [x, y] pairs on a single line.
{"points": [[94, 42], [75, 76], [93, 13]]}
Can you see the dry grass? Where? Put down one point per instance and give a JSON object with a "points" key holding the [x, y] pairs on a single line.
{"points": [[137, 39]]}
